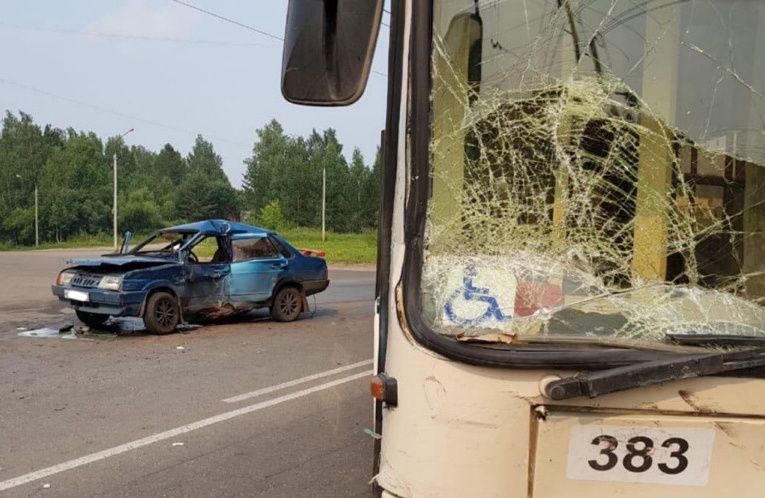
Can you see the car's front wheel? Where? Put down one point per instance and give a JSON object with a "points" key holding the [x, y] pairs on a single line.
{"points": [[287, 305], [162, 313], [91, 319]]}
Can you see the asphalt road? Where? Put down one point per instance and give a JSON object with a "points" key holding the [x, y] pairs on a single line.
{"points": [[246, 408]]}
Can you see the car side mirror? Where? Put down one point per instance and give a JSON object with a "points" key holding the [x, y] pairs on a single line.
{"points": [[328, 49]]}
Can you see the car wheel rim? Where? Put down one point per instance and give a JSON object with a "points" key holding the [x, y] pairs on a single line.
{"points": [[289, 304], [164, 313]]}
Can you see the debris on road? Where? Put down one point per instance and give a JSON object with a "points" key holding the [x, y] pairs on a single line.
{"points": [[373, 434], [54, 333]]}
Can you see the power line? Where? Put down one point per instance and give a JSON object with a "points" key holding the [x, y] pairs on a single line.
{"points": [[114, 112], [229, 20], [131, 37], [232, 21]]}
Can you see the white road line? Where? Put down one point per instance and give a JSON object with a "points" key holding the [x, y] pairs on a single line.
{"points": [[139, 443], [303, 380]]}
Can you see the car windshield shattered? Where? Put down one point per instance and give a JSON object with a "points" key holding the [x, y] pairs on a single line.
{"points": [[597, 169]]}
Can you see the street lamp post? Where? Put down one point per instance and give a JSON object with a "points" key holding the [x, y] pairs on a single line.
{"points": [[37, 223], [114, 207], [323, 200]]}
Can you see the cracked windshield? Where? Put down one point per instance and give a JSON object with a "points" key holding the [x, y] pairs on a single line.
{"points": [[597, 169]]}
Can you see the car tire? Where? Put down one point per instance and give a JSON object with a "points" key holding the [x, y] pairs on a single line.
{"points": [[287, 305], [162, 313], [92, 320]]}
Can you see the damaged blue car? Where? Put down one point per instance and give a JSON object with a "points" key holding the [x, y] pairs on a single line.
{"points": [[208, 269]]}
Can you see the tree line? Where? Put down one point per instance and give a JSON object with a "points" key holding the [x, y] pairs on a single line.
{"points": [[72, 172]]}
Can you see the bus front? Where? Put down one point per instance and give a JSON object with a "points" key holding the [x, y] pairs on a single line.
{"points": [[571, 275]]}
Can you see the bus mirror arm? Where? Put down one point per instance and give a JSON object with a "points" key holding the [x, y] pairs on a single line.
{"points": [[592, 384]]}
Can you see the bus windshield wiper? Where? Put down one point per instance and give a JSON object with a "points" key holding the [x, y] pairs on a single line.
{"points": [[592, 384], [723, 340]]}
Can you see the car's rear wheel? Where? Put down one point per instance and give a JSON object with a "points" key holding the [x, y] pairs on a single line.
{"points": [[91, 319], [287, 305], [162, 313]]}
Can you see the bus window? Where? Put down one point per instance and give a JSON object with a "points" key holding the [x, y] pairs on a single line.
{"points": [[597, 169]]}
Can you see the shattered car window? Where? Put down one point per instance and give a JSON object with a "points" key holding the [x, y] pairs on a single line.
{"points": [[598, 168]]}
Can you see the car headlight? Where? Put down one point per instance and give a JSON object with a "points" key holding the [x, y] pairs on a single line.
{"points": [[65, 277], [110, 282]]}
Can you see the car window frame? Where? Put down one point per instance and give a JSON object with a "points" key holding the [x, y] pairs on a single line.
{"points": [[221, 241], [276, 254], [284, 251]]}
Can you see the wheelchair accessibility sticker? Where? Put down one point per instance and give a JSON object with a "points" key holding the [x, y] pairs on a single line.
{"points": [[481, 298]]}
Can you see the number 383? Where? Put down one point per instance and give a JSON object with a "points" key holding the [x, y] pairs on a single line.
{"points": [[640, 454]]}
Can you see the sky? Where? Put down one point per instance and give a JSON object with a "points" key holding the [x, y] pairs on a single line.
{"points": [[170, 72]]}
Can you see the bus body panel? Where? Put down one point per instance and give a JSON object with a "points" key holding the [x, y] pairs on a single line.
{"points": [[460, 430]]}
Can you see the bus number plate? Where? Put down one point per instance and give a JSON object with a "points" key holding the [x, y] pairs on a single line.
{"points": [[671, 455]]}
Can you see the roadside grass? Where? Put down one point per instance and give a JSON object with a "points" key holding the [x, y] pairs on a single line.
{"points": [[339, 247], [76, 242]]}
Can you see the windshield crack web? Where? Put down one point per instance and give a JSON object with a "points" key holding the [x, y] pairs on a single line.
{"points": [[597, 169]]}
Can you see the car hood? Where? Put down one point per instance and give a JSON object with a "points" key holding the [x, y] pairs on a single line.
{"points": [[124, 260]]}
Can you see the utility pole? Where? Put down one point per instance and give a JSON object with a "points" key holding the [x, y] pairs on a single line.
{"points": [[323, 201], [114, 207], [37, 223]]}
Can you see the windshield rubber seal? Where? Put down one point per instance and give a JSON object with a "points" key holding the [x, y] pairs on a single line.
{"points": [[596, 358]]}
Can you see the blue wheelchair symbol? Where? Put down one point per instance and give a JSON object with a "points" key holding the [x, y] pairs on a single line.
{"points": [[472, 293]]}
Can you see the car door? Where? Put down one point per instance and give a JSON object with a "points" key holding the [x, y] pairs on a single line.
{"points": [[208, 268], [255, 269]]}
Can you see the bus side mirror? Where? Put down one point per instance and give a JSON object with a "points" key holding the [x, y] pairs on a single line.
{"points": [[328, 49]]}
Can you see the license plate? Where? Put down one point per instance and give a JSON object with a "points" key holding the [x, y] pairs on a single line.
{"points": [[671, 455], [77, 295]]}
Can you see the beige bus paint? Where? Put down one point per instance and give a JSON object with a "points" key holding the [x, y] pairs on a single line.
{"points": [[737, 458], [460, 430]]}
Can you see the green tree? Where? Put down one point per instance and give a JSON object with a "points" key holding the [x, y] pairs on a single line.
{"points": [[168, 164], [76, 185], [198, 198], [24, 150], [272, 217], [371, 193], [126, 165], [325, 153], [203, 159], [18, 223], [358, 174], [140, 212], [268, 161]]}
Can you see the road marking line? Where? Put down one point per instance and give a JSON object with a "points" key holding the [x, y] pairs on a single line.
{"points": [[123, 448], [303, 380]]}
